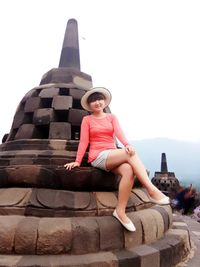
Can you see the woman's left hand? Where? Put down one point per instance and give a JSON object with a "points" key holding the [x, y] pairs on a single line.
{"points": [[130, 150]]}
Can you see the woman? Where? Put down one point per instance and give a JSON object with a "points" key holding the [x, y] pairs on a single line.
{"points": [[98, 130]]}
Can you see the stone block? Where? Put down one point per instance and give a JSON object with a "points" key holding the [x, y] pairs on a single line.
{"points": [[159, 223], [62, 102], [169, 211], [49, 92], [177, 248], [66, 75], [111, 233], [106, 200], [32, 104], [8, 225], [27, 131], [76, 93], [32, 175], [43, 116], [149, 226], [54, 236], [166, 252], [60, 130], [85, 235], [26, 236], [141, 194], [82, 82], [165, 216], [183, 236], [75, 116], [148, 256], [12, 196], [127, 258], [136, 238], [21, 118]]}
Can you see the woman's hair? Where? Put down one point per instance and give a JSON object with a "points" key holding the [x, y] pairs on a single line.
{"points": [[95, 96]]}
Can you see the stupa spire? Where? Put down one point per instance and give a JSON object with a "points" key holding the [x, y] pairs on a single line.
{"points": [[70, 50], [164, 163]]}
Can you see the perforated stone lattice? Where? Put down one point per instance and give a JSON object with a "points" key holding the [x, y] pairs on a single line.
{"points": [[49, 113]]}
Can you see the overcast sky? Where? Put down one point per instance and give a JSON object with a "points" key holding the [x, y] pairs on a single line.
{"points": [[147, 53]]}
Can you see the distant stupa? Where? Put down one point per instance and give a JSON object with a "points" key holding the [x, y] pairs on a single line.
{"points": [[164, 180]]}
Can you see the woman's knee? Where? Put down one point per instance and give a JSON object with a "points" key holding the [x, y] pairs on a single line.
{"points": [[127, 170]]}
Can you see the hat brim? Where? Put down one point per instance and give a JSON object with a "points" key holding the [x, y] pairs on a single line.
{"points": [[101, 90]]}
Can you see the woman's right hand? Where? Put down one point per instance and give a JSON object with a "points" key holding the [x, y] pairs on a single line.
{"points": [[71, 165]]}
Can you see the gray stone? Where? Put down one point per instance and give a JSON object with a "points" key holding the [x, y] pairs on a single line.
{"points": [[111, 233], [54, 236], [62, 102], [26, 236], [8, 225], [60, 130], [85, 235], [148, 256]]}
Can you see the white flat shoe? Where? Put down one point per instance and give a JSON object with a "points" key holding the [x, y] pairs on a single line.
{"points": [[129, 226], [162, 201]]}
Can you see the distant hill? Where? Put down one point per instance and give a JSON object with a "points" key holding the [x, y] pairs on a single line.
{"points": [[183, 158]]}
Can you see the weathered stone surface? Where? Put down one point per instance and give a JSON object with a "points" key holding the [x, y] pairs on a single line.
{"points": [[127, 258], [49, 92], [105, 200], [27, 131], [76, 93], [111, 233], [141, 194], [177, 248], [85, 235], [62, 102], [20, 118], [149, 226], [54, 236], [12, 196], [169, 211], [136, 238], [159, 223], [60, 130], [165, 216], [31, 175], [76, 115], [181, 235], [32, 104], [148, 256], [26, 236], [166, 252], [103, 259], [8, 225], [43, 116]]}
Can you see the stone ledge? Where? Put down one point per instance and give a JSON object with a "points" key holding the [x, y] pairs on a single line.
{"points": [[163, 253], [63, 203], [77, 235]]}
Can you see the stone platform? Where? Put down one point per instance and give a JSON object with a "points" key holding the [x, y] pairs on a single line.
{"points": [[52, 227]]}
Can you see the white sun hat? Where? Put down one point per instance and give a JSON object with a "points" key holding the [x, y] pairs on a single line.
{"points": [[101, 90]]}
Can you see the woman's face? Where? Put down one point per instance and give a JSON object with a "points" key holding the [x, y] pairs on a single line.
{"points": [[97, 105]]}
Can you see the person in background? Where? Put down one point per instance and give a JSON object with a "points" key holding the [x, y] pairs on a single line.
{"points": [[98, 130], [184, 199]]}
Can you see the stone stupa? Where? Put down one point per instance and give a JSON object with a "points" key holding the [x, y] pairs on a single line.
{"points": [[164, 180], [53, 217]]}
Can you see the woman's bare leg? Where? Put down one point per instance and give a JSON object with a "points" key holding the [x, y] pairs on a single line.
{"points": [[117, 157], [125, 187]]}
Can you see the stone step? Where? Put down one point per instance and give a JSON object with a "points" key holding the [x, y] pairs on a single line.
{"points": [[81, 235], [166, 252], [53, 176], [63, 203]]}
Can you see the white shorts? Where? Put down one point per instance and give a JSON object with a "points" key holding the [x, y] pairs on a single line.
{"points": [[100, 161]]}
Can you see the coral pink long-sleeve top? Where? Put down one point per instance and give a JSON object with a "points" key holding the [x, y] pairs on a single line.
{"points": [[99, 134]]}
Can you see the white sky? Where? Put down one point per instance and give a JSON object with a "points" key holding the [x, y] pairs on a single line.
{"points": [[146, 52]]}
